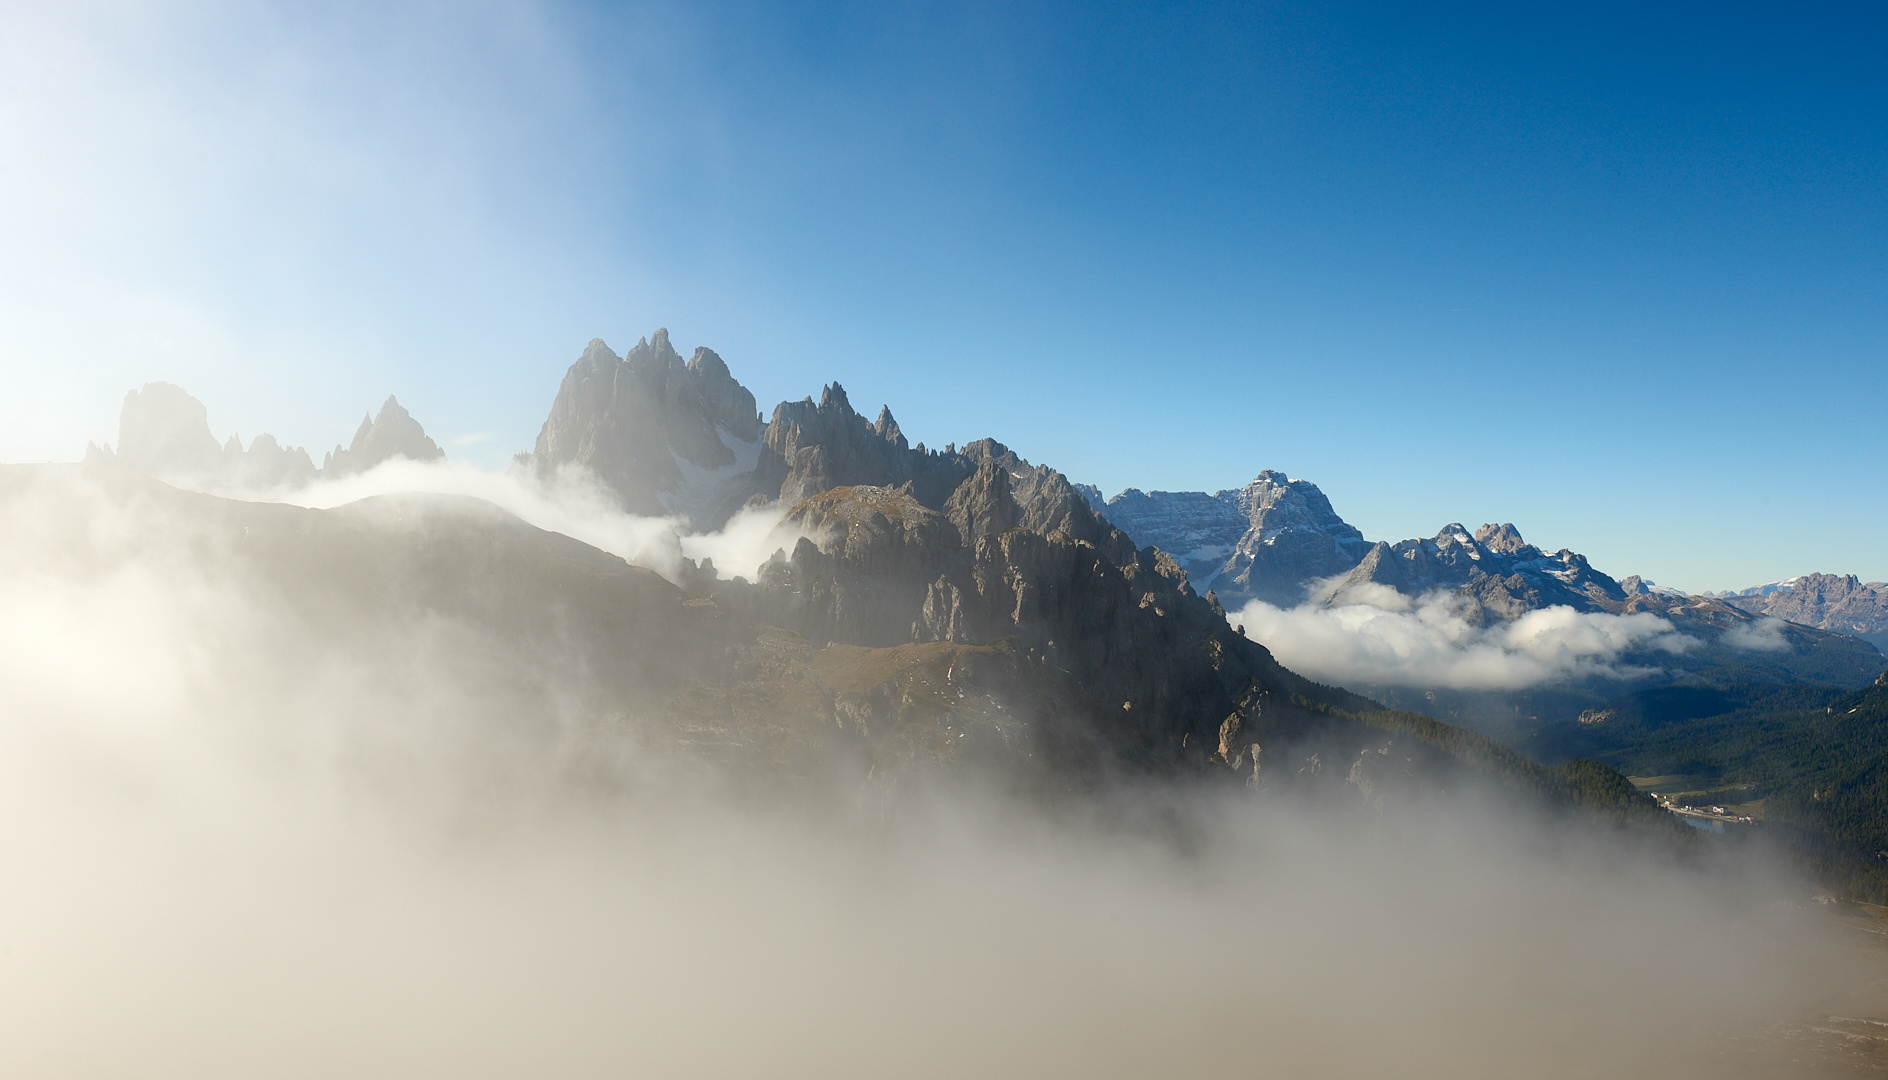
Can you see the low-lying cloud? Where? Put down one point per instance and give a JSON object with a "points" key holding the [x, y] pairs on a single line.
{"points": [[1373, 635], [237, 845], [1758, 635], [572, 502]]}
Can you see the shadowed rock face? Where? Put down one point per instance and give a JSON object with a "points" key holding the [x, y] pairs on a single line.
{"points": [[666, 436], [392, 433], [812, 448], [1152, 668]]}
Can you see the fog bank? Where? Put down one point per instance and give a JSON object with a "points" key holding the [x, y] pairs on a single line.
{"points": [[239, 844], [571, 502]]}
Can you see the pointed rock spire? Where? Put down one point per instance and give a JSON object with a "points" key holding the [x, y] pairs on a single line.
{"points": [[391, 434], [887, 428]]}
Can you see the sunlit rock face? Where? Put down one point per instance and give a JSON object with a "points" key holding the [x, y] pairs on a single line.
{"points": [[390, 434], [1842, 603], [1266, 541], [667, 436]]}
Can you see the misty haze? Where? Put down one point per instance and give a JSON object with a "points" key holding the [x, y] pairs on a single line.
{"points": [[393, 684]]}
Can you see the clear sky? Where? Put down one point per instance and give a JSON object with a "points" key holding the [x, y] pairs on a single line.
{"points": [[1615, 273]]}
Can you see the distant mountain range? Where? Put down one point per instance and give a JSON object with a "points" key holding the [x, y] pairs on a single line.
{"points": [[164, 432], [683, 438], [1278, 540]]}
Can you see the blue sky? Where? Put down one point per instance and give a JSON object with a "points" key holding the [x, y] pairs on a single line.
{"points": [[1616, 275]]}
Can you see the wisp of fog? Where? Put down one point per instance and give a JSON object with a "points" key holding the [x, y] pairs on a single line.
{"points": [[239, 843]]}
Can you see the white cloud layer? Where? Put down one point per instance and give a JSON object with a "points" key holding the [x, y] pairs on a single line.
{"points": [[1374, 635], [239, 844], [1761, 635], [572, 502]]}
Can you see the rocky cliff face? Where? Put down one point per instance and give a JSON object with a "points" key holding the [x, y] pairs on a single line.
{"points": [[1151, 670], [1841, 603], [667, 436], [1266, 541]]}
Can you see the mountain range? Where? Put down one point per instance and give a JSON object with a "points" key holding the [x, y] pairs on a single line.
{"points": [[683, 439], [1279, 541], [926, 610], [164, 432], [931, 613]]}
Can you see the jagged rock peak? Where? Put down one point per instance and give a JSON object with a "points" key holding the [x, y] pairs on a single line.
{"points": [[1839, 602], [655, 353], [887, 427], [667, 436], [833, 398], [1265, 541], [983, 505], [1503, 538], [393, 433]]}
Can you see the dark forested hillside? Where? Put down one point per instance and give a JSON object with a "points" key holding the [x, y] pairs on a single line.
{"points": [[1813, 761]]}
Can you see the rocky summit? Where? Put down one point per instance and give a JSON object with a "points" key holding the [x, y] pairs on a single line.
{"points": [[1266, 541], [668, 436], [392, 433], [1842, 603]]}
